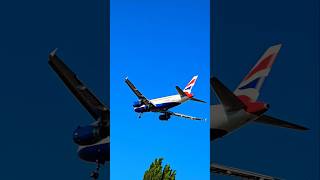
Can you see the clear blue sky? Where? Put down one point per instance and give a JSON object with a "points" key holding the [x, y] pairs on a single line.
{"points": [[158, 45], [38, 114], [242, 31]]}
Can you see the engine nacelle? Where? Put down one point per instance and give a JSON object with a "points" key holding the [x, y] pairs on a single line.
{"points": [[142, 109], [86, 135], [164, 117], [98, 152], [137, 104]]}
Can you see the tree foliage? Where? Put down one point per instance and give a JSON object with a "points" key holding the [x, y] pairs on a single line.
{"points": [[156, 172]]}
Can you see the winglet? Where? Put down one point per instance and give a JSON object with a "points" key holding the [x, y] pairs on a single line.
{"points": [[53, 53]]}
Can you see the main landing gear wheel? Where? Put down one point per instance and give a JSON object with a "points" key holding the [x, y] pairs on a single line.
{"points": [[95, 174]]}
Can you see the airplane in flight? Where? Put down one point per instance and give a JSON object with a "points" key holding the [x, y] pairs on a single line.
{"points": [[241, 107], [163, 104], [93, 139]]}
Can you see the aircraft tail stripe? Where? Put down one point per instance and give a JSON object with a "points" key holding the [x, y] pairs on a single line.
{"points": [[191, 82], [253, 81], [252, 84], [264, 64]]}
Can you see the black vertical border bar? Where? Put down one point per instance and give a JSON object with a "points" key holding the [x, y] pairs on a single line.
{"points": [[317, 7], [106, 45], [211, 73], [108, 73]]}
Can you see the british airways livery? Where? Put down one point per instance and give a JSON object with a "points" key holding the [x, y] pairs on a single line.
{"points": [[93, 139], [241, 107], [163, 104]]}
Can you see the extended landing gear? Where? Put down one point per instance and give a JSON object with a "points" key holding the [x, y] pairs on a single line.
{"points": [[95, 174], [139, 115]]}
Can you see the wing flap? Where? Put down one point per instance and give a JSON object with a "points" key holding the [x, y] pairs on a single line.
{"points": [[230, 171], [183, 115], [277, 122], [226, 97], [91, 103]]}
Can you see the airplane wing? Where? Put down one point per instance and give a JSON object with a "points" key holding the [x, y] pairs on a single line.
{"points": [[226, 97], [183, 115], [92, 104], [230, 171], [277, 122], [140, 96]]}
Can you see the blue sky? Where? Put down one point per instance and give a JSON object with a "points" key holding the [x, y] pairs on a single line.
{"points": [[38, 113], [242, 32], [158, 45]]}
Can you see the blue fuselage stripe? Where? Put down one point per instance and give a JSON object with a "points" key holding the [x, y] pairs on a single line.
{"points": [[166, 105], [158, 107]]}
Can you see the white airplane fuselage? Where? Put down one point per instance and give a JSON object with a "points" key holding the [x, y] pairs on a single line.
{"points": [[162, 104]]}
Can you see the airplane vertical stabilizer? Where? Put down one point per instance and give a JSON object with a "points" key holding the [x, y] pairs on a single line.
{"points": [[252, 83], [190, 85]]}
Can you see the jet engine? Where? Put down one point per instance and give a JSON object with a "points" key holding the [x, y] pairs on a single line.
{"points": [[142, 109], [86, 135], [137, 104], [164, 117]]}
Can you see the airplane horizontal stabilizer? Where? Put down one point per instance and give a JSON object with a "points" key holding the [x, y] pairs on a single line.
{"points": [[277, 122], [226, 97], [198, 100], [230, 171], [181, 93]]}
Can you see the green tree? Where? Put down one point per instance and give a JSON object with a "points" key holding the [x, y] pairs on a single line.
{"points": [[155, 172]]}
